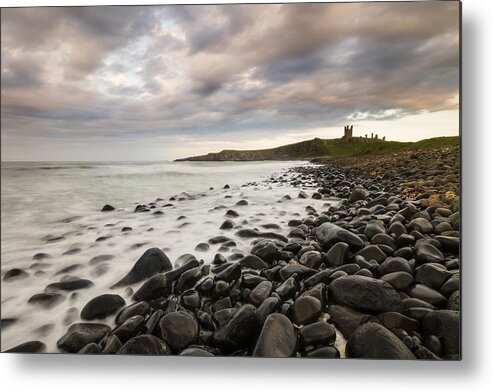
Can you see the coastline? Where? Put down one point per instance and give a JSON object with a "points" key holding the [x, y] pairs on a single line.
{"points": [[379, 267]]}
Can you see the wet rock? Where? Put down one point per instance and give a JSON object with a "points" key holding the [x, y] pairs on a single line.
{"points": [[14, 274], [396, 320], [69, 285], [298, 269], [260, 293], [306, 310], [238, 331], [266, 250], [228, 224], [357, 194], [400, 280], [427, 294], [101, 258], [337, 255], [81, 334], [319, 333], [288, 288], [421, 225], [427, 253], [277, 338], [144, 345], [129, 328], [102, 306], [46, 300], [328, 234], [136, 309], [91, 348], [188, 279], [365, 294], [154, 287], [112, 345], [107, 207], [178, 330], [312, 259], [202, 247], [230, 273], [372, 252], [153, 261], [432, 275], [346, 320], [270, 305], [374, 341], [33, 346], [444, 324], [253, 262]]}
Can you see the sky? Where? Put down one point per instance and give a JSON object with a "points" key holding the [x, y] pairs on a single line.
{"points": [[162, 82]]}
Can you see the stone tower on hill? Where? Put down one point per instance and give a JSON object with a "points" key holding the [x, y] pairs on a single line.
{"points": [[348, 133]]}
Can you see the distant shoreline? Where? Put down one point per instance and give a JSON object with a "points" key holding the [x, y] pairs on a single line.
{"points": [[325, 148]]}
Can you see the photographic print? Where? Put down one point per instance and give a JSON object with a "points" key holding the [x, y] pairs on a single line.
{"points": [[256, 180]]}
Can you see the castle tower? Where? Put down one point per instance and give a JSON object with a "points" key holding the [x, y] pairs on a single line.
{"points": [[348, 133]]}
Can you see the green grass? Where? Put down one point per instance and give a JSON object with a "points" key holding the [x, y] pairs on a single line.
{"points": [[339, 148]]}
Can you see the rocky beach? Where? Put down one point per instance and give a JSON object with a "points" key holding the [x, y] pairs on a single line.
{"points": [[358, 257]]}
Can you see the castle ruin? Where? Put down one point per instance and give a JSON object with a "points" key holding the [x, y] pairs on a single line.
{"points": [[348, 135]]}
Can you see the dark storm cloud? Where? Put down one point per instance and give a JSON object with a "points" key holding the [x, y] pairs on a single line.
{"points": [[170, 71]]}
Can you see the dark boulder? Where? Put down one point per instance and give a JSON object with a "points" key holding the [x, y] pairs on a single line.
{"points": [[374, 341], [277, 338], [178, 330], [46, 300], [238, 331], [153, 261], [328, 234], [444, 324], [306, 310], [365, 294], [33, 346], [319, 333], [81, 334], [102, 306], [144, 345]]}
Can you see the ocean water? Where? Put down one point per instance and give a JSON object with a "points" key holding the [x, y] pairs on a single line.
{"points": [[55, 207]]}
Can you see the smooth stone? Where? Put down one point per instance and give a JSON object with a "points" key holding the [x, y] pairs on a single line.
{"points": [[69, 285], [298, 269], [260, 293], [432, 275], [112, 345], [365, 294], [270, 305], [374, 341], [394, 264], [277, 338], [400, 280], [328, 234], [14, 274], [100, 259], [421, 225], [33, 346], [337, 255], [427, 294], [288, 288], [135, 309], [306, 310], [188, 279], [178, 330], [427, 253], [319, 333], [253, 262], [81, 334], [266, 250], [397, 320], [154, 287], [153, 261], [230, 273], [102, 306], [144, 345], [453, 302], [444, 324], [347, 320], [228, 224], [46, 300], [238, 331], [107, 207], [312, 259], [357, 194], [129, 328], [372, 252]]}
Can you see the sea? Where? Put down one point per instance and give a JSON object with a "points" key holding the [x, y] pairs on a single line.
{"points": [[55, 208]]}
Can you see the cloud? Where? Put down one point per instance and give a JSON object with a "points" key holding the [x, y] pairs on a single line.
{"points": [[213, 71]]}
